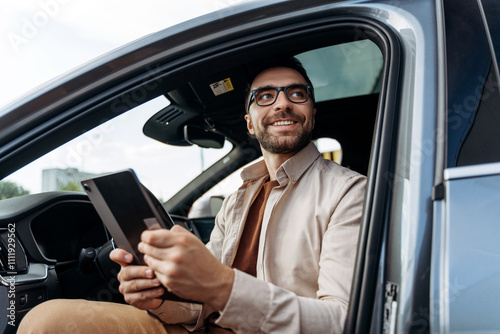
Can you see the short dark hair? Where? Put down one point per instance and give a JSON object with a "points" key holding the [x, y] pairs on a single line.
{"points": [[289, 62]]}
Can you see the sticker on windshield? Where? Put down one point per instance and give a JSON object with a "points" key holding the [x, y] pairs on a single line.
{"points": [[221, 87]]}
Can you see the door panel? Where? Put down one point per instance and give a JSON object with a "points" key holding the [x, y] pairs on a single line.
{"points": [[469, 279]]}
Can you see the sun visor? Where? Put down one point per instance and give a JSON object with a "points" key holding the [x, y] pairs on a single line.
{"points": [[218, 91]]}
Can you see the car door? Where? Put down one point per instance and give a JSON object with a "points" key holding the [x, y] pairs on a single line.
{"points": [[465, 264], [380, 130]]}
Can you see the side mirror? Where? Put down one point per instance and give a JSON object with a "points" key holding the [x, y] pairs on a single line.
{"points": [[215, 204], [198, 136]]}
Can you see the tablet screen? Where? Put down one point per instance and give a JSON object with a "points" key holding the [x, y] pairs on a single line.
{"points": [[126, 208]]}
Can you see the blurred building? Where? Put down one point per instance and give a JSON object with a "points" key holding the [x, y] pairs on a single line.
{"points": [[55, 178]]}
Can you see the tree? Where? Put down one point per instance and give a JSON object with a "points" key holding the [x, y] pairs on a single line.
{"points": [[10, 189], [70, 186]]}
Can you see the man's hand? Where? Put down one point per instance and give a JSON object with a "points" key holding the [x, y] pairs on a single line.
{"points": [[185, 267], [138, 284]]}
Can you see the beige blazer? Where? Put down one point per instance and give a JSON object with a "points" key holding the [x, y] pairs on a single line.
{"points": [[306, 252]]}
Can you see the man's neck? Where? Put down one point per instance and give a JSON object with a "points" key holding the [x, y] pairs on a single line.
{"points": [[274, 161]]}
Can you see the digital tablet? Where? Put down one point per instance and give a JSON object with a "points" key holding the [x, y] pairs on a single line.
{"points": [[126, 208]]}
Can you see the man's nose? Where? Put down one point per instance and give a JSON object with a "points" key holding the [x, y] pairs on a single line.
{"points": [[282, 101]]}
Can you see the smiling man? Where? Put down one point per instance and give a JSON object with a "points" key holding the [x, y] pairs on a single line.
{"points": [[280, 129], [282, 123], [287, 238], [281, 256]]}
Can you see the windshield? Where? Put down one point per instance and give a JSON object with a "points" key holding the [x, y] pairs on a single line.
{"points": [[116, 145]]}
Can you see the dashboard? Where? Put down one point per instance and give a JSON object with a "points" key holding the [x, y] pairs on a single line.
{"points": [[42, 237], [54, 245]]}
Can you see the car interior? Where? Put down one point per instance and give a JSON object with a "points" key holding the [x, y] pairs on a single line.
{"points": [[64, 241]]}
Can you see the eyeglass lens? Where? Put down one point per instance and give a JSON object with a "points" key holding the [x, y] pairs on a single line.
{"points": [[268, 95]]}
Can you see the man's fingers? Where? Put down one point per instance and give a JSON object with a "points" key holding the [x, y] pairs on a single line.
{"points": [[142, 296], [134, 272], [160, 238], [138, 285], [166, 244], [161, 265], [165, 238], [121, 256]]}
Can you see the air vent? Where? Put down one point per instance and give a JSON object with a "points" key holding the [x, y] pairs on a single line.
{"points": [[12, 257], [170, 116]]}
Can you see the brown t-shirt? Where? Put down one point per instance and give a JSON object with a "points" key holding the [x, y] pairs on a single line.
{"points": [[246, 255]]}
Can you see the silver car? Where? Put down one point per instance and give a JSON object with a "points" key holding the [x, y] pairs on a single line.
{"points": [[408, 89]]}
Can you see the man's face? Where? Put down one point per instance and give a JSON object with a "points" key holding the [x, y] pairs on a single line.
{"points": [[283, 127]]}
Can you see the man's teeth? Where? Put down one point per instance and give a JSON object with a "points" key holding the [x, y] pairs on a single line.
{"points": [[283, 123]]}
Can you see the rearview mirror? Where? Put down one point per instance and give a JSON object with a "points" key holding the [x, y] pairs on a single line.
{"points": [[206, 139]]}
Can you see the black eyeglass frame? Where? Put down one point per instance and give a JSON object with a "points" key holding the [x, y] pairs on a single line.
{"points": [[278, 90]]}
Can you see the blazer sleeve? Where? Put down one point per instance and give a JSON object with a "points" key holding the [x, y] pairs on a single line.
{"points": [[192, 316]]}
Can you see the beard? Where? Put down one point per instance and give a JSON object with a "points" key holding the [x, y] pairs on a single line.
{"points": [[286, 143]]}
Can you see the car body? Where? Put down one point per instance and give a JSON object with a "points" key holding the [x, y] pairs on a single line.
{"points": [[426, 133]]}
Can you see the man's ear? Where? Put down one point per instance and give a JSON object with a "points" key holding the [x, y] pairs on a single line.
{"points": [[249, 124]]}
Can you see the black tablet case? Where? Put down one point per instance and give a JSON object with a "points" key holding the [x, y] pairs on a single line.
{"points": [[127, 208]]}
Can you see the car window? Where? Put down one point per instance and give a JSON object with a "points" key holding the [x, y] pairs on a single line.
{"points": [[490, 9], [473, 105], [116, 145], [344, 70]]}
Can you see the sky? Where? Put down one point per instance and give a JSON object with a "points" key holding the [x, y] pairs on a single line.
{"points": [[41, 39]]}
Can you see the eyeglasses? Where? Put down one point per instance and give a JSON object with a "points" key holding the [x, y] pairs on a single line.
{"points": [[268, 95]]}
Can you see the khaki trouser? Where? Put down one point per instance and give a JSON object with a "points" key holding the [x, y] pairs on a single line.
{"points": [[75, 316]]}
